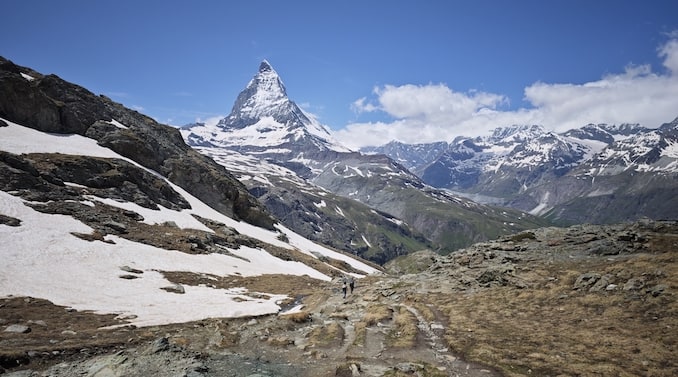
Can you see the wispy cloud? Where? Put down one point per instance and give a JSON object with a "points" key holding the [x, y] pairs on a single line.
{"points": [[210, 121], [434, 112]]}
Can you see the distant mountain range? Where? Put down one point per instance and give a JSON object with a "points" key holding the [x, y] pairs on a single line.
{"points": [[368, 204], [598, 173]]}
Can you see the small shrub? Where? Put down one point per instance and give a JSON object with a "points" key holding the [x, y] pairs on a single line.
{"points": [[377, 313], [298, 317], [523, 236], [328, 336]]}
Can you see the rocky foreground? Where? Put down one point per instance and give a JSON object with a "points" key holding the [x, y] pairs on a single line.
{"points": [[585, 300]]}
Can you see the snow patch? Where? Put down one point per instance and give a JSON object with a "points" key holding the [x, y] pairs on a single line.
{"points": [[118, 124]]}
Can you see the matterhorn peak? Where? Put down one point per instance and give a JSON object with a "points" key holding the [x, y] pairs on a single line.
{"points": [[265, 66], [265, 95], [264, 114]]}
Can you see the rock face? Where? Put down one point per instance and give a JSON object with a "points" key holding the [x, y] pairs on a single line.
{"points": [[50, 104]]}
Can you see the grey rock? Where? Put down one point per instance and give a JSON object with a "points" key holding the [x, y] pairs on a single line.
{"points": [[131, 270], [159, 345], [19, 329], [407, 368], [602, 283], [116, 226], [634, 284], [658, 289], [176, 288], [585, 281], [496, 274]]}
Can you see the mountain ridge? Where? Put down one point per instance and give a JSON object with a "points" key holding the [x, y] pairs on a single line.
{"points": [[280, 137], [543, 172]]}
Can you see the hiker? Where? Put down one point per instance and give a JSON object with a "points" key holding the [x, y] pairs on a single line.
{"points": [[351, 284], [343, 287]]}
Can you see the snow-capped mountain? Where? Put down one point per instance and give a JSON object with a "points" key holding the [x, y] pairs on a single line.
{"points": [[310, 181], [409, 155], [265, 121], [527, 167], [647, 151], [105, 210]]}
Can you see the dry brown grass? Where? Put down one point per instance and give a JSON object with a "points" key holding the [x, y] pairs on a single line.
{"points": [[298, 317], [551, 329], [377, 313], [55, 327], [425, 310], [327, 336], [404, 333], [360, 333], [273, 283]]}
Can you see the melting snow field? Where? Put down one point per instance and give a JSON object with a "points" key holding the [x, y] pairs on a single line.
{"points": [[42, 259]]}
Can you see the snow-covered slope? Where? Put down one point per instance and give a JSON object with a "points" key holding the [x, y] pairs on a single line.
{"points": [[43, 257]]}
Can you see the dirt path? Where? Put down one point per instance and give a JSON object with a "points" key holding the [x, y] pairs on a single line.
{"points": [[368, 345]]}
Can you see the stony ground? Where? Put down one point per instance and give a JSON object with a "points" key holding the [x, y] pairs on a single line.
{"points": [[580, 301]]}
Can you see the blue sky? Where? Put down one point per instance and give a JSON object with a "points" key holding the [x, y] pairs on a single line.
{"points": [[372, 71]]}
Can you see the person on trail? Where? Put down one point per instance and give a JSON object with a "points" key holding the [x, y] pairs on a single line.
{"points": [[343, 287], [351, 284]]}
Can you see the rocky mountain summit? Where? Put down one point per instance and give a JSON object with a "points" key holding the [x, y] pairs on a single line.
{"points": [[583, 300], [597, 173], [266, 122], [368, 205]]}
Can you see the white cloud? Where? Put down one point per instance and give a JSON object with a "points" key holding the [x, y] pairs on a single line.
{"points": [[211, 121], [435, 112], [361, 106], [669, 52]]}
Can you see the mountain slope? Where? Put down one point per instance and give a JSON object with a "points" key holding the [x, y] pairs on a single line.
{"points": [[50, 104], [94, 217], [264, 124]]}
